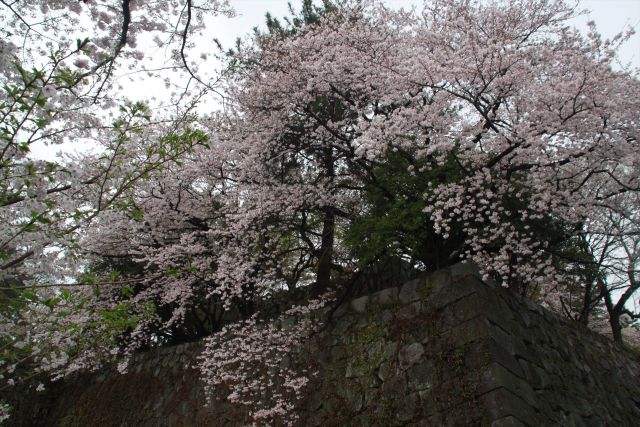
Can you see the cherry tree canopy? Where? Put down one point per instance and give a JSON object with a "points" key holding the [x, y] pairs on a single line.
{"points": [[515, 135], [58, 63]]}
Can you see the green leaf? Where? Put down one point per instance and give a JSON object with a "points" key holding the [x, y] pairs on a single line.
{"points": [[127, 292], [88, 278], [65, 294], [137, 214], [172, 271]]}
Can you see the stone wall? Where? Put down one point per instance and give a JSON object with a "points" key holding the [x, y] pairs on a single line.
{"points": [[446, 349]]}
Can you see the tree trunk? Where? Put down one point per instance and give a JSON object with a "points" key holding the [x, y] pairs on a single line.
{"points": [[587, 305], [323, 278], [614, 311], [325, 257], [616, 328]]}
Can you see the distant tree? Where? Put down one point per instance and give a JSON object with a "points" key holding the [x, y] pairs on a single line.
{"points": [[614, 241]]}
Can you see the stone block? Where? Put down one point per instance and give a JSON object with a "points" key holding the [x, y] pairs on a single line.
{"points": [[410, 354], [501, 403], [385, 371], [408, 311], [341, 311], [386, 297], [443, 296], [495, 376], [342, 326], [463, 269], [390, 350], [421, 376], [410, 291], [384, 316], [466, 332], [511, 342], [498, 353], [535, 376], [394, 388], [509, 421], [409, 408], [475, 355], [460, 311], [359, 305]]}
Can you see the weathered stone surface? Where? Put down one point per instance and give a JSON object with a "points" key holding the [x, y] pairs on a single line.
{"points": [[446, 349], [501, 403], [495, 376], [421, 375], [359, 305], [410, 354], [509, 421], [386, 296], [410, 291]]}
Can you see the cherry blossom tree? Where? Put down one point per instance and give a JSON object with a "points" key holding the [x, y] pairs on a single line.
{"points": [[60, 67], [516, 133], [541, 127], [59, 62], [614, 241], [56, 88], [529, 140]]}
